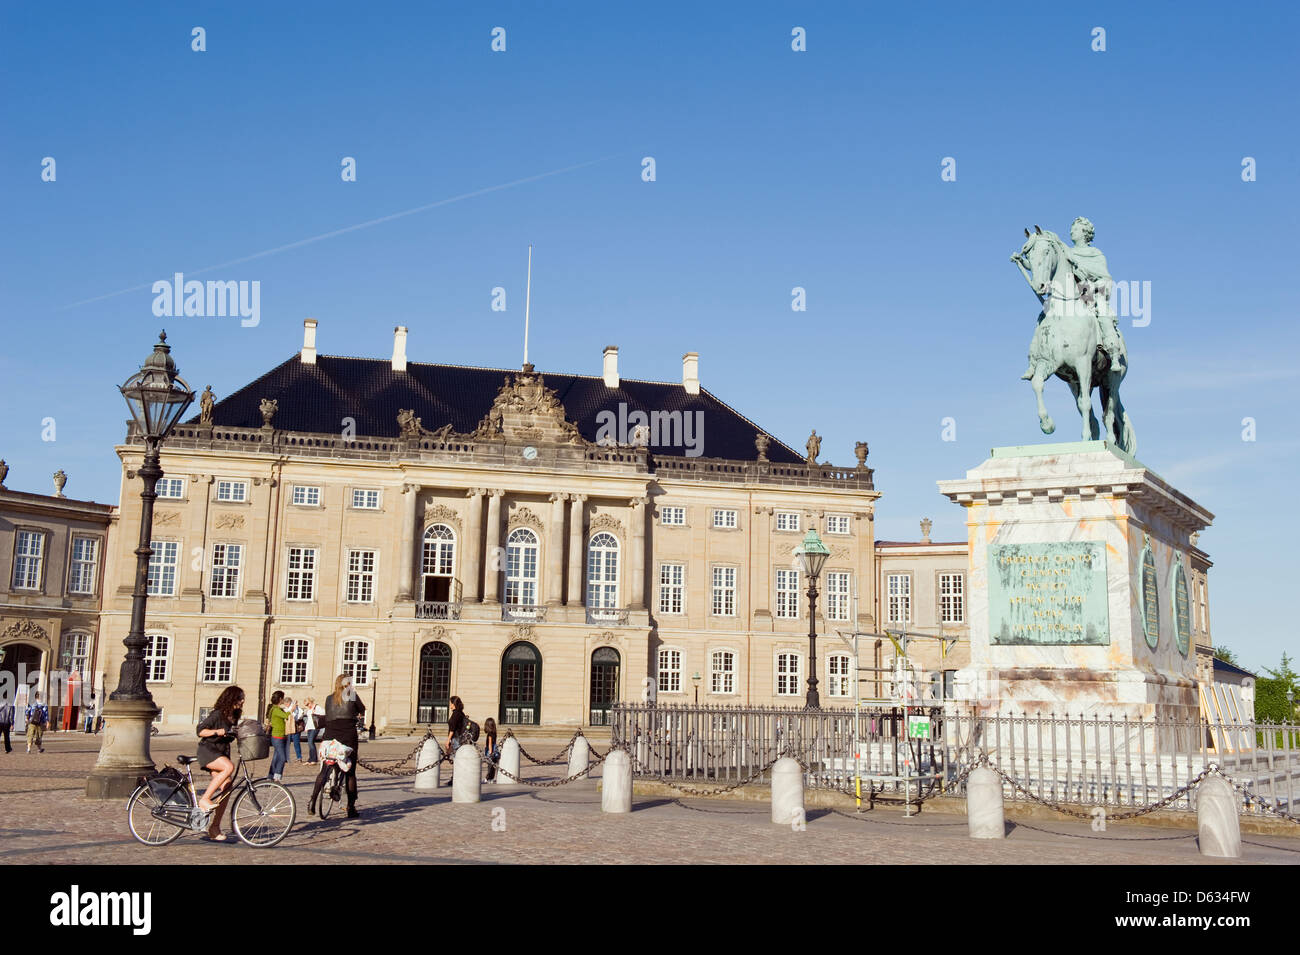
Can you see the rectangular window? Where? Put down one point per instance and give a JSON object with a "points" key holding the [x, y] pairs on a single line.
{"points": [[356, 661], [29, 550], [672, 516], [365, 498], [233, 491], [293, 661], [952, 598], [162, 568], [724, 591], [670, 671], [722, 672], [837, 524], [226, 561], [899, 594], [306, 496], [301, 583], [155, 658], [85, 562], [787, 521], [837, 672], [361, 576], [724, 519], [173, 489], [672, 587], [218, 659], [789, 668], [837, 595], [787, 594]]}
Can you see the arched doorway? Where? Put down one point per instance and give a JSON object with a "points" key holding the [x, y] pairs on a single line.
{"points": [[604, 684], [521, 685], [435, 683], [22, 663]]}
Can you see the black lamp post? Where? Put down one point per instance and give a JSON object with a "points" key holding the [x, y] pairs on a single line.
{"points": [[374, 700], [812, 554], [696, 680], [157, 398]]}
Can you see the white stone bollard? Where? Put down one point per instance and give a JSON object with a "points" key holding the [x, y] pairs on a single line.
{"points": [[787, 792], [430, 754], [509, 761], [466, 769], [579, 756], [616, 783], [984, 814], [1216, 819]]}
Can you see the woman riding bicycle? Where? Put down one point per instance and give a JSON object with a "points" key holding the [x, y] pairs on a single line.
{"points": [[216, 730], [342, 709]]}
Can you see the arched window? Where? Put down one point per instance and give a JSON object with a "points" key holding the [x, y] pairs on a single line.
{"points": [[218, 658], [521, 684], [521, 568], [602, 572], [435, 682], [438, 562]]}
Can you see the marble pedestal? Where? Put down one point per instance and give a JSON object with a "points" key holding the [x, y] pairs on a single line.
{"points": [[1079, 585]]}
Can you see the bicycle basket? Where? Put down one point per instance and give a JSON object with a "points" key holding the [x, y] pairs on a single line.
{"points": [[254, 747]]}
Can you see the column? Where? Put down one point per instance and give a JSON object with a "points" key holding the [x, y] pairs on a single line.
{"points": [[471, 566], [636, 567], [495, 559], [577, 508], [406, 548], [555, 551]]}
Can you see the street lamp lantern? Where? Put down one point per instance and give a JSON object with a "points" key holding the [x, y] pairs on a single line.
{"points": [[696, 680], [157, 397], [374, 700], [811, 555]]}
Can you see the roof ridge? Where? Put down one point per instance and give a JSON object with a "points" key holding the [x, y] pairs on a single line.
{"points": [[512, 371]]}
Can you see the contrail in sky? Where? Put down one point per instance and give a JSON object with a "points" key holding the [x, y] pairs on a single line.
{"points": [[353, 228]]}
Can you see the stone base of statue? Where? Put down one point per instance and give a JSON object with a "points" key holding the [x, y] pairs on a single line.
{"points": [[124, 754], [1078, 597]]}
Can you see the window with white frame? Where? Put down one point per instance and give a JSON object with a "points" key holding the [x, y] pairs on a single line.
{"points": [[671, 516], [787, 521], [29, 551], [295, 653], [521, 568], [76, 647], [722, 672], [361, 576], [365, 498], [789, 670], [306, 495], [85, 564], [162, 568], [226, 562], [233, 491], [724, 518], [787, 593], [952, 598], [837, 595], [300, 582], [670, 670], [356, 661], [672, 588], [172, 489], [838, 667], [155, 657], [602, 572], [898, 592], [218, 658], [724, 591], [837, 523]]}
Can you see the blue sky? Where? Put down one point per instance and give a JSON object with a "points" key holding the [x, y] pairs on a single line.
{"points": [[775, 169]]}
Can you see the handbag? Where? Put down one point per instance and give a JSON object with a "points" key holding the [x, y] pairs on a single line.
{"points": [[300, 726]]}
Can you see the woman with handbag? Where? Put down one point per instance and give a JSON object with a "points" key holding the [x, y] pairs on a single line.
{"points": [[313, 721], [343, 710], [281, 719], [295, 726]]}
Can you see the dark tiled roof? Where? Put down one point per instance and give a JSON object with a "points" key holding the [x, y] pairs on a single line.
{"points": [[318, 397], [1223, 666]]}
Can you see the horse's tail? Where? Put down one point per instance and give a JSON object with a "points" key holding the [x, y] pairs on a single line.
{"points": [[1130, 436]]}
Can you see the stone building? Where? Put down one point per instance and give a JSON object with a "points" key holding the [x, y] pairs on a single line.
{"points": [[52, 567], [538, 545]]}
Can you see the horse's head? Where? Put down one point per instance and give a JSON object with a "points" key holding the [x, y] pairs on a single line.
{"points": [[1043, 256]]}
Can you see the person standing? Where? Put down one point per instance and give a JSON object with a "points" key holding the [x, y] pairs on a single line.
{"points": [[313, 720], [294, 734], [38, 716], [456, 725], [343, 709], [6, 723], [281, 718], [90, 713], [491, 751]]}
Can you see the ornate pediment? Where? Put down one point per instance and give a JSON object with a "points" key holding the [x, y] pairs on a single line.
{"points": [[436, 513], [231, 521], [524, 516], [526, 410], [25, 630], [606, 521], [837, 553]]}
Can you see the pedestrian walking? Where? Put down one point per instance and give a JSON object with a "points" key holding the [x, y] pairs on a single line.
{"points": [[313, 721], [457, 724], [38, 717], [6, 723], [490, 748], [281, 720], [343, 710]]}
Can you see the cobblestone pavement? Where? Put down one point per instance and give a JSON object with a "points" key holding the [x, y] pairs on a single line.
{"points": [[46, 818]]}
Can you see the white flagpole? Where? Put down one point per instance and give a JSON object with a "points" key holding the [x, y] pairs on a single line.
{"points": [[528, 298]]}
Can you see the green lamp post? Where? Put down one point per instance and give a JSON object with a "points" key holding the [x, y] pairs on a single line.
{"points": [[811, 554]]}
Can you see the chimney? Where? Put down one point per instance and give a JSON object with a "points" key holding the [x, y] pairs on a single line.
{"points": [[611, 366], [399, 348], [309, 342], [691, 372]]}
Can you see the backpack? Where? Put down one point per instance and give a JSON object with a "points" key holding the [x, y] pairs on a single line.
{"points": [[472, 731]]}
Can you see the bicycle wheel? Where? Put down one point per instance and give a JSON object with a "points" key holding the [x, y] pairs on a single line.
{"points": [[145, 826], [264, 813], [329, 796]]}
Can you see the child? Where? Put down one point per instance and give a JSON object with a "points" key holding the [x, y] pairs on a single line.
{"points": [[490, 748]]}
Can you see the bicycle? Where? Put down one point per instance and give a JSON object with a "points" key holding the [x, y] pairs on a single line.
{"points": [[161, 808], [333, 791]]}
